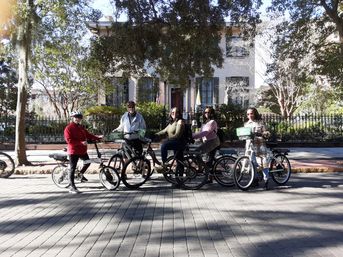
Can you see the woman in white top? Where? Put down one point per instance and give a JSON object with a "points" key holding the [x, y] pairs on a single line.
{"points": [[259, 142]]}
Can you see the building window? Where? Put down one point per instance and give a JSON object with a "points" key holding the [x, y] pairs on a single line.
{"points": [[147, 89], [120, 93], [209, 91], [236, 46], [237, 90]]}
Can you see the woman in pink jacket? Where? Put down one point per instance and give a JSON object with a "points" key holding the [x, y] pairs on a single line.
{"points": [[208, 135]]}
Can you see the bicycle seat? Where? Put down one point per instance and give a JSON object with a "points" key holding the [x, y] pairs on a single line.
{"points": [[59, 156], [271, 144], [145, 140]]}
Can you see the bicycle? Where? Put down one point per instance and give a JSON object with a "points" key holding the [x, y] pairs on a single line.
{"points": [[246, 169], [6, 165], [221, 170], [108, 176], [123, 154]]}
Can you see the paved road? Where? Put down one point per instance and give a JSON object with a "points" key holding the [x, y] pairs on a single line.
{"points": [[304, 218]]}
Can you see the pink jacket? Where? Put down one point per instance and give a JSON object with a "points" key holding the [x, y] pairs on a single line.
{"points": [[208, 131]]}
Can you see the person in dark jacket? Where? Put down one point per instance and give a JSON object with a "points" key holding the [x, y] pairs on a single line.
{"points": [[76, 137]]}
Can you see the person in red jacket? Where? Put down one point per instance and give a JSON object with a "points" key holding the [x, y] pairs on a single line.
{"points": [[76, 137]]}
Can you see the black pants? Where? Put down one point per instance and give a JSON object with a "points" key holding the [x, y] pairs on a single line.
{"points": [[136, 144], [73, 159]]}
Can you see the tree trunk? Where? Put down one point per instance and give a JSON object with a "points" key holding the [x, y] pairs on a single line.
{"points": [[23, 49]]}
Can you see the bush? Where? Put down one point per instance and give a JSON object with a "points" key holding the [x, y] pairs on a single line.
{"points": [[155, 115], [230, 117]]}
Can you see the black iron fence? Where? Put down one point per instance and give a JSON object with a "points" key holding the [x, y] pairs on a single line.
{"points": [[296, 129]]}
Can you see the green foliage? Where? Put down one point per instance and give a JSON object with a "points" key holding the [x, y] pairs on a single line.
{"points": [[308, 36], [154, 114], [267, 100], [8, 88], [178, 39], [229, 117], [104, 111]]}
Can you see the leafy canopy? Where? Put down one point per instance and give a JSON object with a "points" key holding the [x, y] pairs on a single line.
{"points": [[176, 39]]}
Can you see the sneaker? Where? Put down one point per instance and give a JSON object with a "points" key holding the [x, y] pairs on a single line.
{"points": [[83, 179], [73, 190], [160, 169], [266, 185]]}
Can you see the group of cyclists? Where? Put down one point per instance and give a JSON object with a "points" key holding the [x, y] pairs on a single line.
{"points": [[132, 124]]}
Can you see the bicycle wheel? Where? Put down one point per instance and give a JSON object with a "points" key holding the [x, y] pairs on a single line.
{"points": [[109, 177], [59, 176], [116, 162], [6, 165], [190, 174], [170, 173], [136, 172], [243, 173], [223, 170], [280, 169]]}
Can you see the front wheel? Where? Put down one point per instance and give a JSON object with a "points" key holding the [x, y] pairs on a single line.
{"points": [[280, 169], [109, 177], [223, 170], [60, 177], [136, 172], [170, 173], [191, 174], [243, 173], [6, 165], [116, 162]]}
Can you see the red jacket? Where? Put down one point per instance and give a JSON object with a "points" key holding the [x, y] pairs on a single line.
{"points": [[75, 135]]}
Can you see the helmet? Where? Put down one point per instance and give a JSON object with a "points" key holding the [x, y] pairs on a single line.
{"points": [[76, 114]]}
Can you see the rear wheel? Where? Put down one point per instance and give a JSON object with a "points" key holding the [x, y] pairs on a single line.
{"points": [[280, 169], [136, 172], [223, 171], [116, 162], [109, 177], [6, 165], [243, 173], [59, 176]]}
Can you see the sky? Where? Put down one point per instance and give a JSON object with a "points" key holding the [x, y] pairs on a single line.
{"points": [[104, 6]]}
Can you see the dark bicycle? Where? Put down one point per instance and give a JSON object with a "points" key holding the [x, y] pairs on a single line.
{"points": [[6, 165]]}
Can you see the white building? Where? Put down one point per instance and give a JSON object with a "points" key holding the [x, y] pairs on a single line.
{"points": [[235, 81]]}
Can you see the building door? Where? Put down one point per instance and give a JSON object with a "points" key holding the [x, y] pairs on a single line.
{"points": [[176, 98]]}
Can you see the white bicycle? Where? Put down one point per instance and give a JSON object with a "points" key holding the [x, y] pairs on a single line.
{"points": [[108, 176], [246, 170]]}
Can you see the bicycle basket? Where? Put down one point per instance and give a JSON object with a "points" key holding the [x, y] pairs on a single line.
{"points": [[244, 133], [115, 135]]}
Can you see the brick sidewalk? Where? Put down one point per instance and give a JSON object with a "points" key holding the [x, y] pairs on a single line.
{"points": [[304, 218]]}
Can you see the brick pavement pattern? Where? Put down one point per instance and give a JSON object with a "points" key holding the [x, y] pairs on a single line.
{"points": [[303, 218]]}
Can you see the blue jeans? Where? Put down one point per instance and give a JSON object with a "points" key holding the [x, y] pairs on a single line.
{"points": [[176, 145]]}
